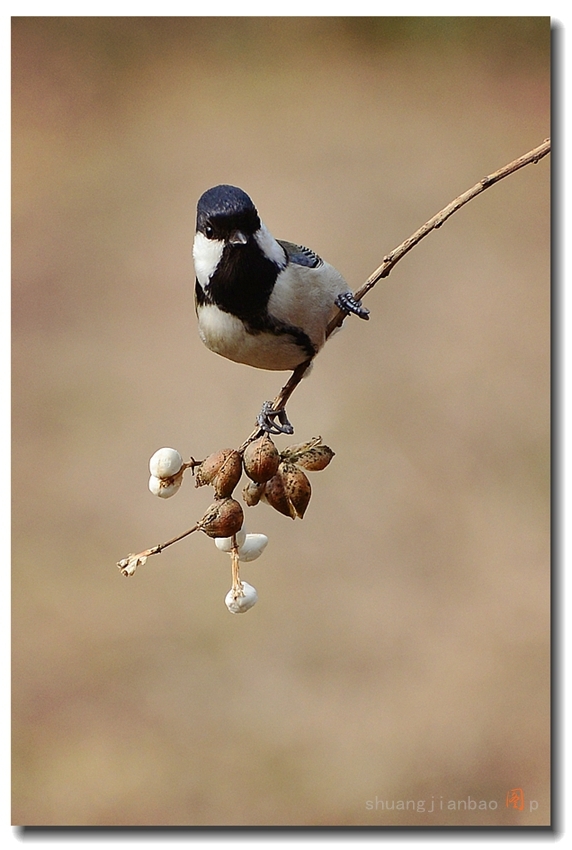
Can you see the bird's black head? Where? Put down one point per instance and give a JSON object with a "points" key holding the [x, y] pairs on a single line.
{"points": [[226, 213]]}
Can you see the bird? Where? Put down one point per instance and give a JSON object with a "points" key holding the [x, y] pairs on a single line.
{"points": [[261, 301]]}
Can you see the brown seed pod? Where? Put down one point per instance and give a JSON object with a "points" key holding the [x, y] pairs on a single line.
{"points": [[275, 496], [252, 493], [222, 469], [292, 453], [206, 471], [297, 488], [315, 458], [222, 519], [261, 459]]}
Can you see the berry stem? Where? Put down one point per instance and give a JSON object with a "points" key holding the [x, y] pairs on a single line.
{"points": [[237, 589]]}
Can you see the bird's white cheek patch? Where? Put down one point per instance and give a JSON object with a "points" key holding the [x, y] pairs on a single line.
{"points": [[206, 255]]}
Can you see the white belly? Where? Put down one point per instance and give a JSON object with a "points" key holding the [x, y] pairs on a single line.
{"points": [[225, 335]]}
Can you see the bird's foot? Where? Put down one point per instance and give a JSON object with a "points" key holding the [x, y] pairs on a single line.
{"points": [[266, 420], [346, 302]]}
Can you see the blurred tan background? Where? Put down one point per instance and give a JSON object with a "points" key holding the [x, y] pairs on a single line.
{"points": [[400, 646]]}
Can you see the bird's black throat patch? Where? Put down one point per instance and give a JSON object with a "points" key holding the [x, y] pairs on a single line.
{"points": [[243, 281], [242, 285]]}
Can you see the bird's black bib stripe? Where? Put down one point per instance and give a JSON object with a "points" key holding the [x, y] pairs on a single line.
{"points": [[277, 327], [242, 282]]}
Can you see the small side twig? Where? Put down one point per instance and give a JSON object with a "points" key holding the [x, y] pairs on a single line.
{"points": [[129, 564]]}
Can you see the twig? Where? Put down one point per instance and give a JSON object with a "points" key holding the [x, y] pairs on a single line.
{"points": [[282, 397], [129, 564], [434, 223], [160, 546], [391, 259]]}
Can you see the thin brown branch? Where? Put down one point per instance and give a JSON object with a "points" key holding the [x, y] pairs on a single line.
{"points": [[159, 548], [391, 259], [439, 219], [282, 397]]}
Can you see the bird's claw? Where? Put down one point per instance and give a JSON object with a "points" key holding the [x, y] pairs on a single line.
{"points": [[346, 302], [266, 420]]}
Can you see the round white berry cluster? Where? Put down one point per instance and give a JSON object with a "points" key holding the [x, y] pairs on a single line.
{"points": [[166, 468]]}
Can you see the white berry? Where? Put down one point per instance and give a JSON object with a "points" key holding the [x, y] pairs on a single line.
{"points": [[225, 543], [253, 547], [237, 603], [165, 463], [163, 488]]}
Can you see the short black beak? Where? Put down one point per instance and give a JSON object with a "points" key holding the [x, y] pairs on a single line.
{"points": [[237, 237]]}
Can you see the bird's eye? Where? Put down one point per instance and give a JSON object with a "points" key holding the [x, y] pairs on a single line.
{"points": [[209, 232]]}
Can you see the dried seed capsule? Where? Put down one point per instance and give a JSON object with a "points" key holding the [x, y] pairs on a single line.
{"points": [[252, 493], [228, 475], [206, 471], [261, 459], [222, 519], [292, 453], [275, 496], [316, 458], [221, 469], [297, 488]]}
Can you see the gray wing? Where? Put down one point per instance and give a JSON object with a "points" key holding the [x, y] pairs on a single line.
{"points": [[301, 256]]}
